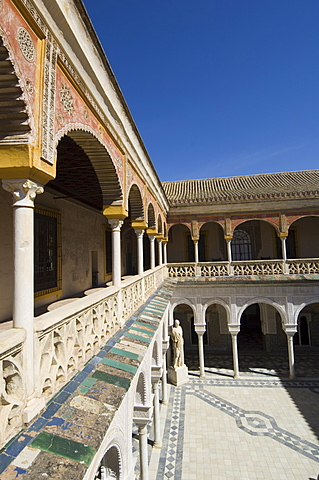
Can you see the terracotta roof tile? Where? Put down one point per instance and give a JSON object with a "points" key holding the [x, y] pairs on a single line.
{"points": [[299, 184]]}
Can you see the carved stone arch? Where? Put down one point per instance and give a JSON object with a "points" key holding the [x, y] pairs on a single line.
{"points": [[266, 220], [151, 220], [155, 354], [111, 465], [314, 215], [99, 165], [217, 301], [15, 115], [183, 301], [303, 305], [267, 301], [135, 202], [141, 391], [172, 225]]}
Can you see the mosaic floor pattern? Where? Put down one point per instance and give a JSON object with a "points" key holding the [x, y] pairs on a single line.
{"points": [[259, 427]]}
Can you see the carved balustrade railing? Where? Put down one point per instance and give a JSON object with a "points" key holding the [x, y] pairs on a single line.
{"points": [[181, 269], [243, 268], [65, 339], [258, 267], [306, 266]]}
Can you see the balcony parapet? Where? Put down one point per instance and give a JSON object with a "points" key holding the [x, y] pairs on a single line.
{"points": [[306, 266]]}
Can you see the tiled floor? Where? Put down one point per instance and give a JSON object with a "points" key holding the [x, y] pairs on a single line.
{"points": [[260, 427]]}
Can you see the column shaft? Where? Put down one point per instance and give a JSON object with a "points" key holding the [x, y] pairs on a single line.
{"points": [[165, 252], [201, 355], [142, 431], [152, 251], [196, 251], [116, 250], [140, 253], [157, 424], [24, 192], [235, 355], [160, 256], [291, 356], [164, 382]]}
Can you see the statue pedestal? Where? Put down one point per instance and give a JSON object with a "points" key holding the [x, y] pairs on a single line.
{"points": [[177, 376]]}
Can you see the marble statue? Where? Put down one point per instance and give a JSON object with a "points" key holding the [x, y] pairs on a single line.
{"points": [[178, 345]]}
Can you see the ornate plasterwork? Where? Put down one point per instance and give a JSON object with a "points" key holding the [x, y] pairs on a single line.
{"points": [[23, 84], [48, 150], [66, 99], [26, 44]]}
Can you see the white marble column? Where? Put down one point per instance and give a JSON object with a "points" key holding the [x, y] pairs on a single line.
{"points": [[196, 251], [284, 253], [234, 330], [200, 330], [160, 253], [142, 433], [165, 345], [152, 251], [157, 423], [24, 192], [116, 225], [140, 253], [229, 255], [165, 252], [291, 353]]}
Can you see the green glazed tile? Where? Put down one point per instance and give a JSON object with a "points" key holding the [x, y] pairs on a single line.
{"points": [[137, 337], [119, 365], [112, 379], [88, 382], [142, 330], [64, 447], [124, 353]]}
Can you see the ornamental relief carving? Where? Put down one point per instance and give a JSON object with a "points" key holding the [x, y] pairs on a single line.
{"points": [[26, 44], [67, 100]]}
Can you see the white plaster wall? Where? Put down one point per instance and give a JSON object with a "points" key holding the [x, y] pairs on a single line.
{"points": [[177, 248], [268, 241], [6, 255], [213, 233], [307, 230]]}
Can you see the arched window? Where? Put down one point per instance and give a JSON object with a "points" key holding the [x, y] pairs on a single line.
{"points": [[241, 246]]}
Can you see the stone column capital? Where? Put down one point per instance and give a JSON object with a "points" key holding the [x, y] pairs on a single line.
{"points": [[200, 328], [115, 223], [139, 233], [23, 191], [151, 237]]}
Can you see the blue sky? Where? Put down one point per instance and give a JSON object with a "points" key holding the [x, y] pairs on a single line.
{"points": [[217, 87]]}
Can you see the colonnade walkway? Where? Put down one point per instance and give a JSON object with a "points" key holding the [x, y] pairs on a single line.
{"points": [[261, 426]]}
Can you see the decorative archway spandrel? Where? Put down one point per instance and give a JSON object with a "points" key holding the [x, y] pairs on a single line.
{"points": [[25, 48], [272, 218], [291, 217]]}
